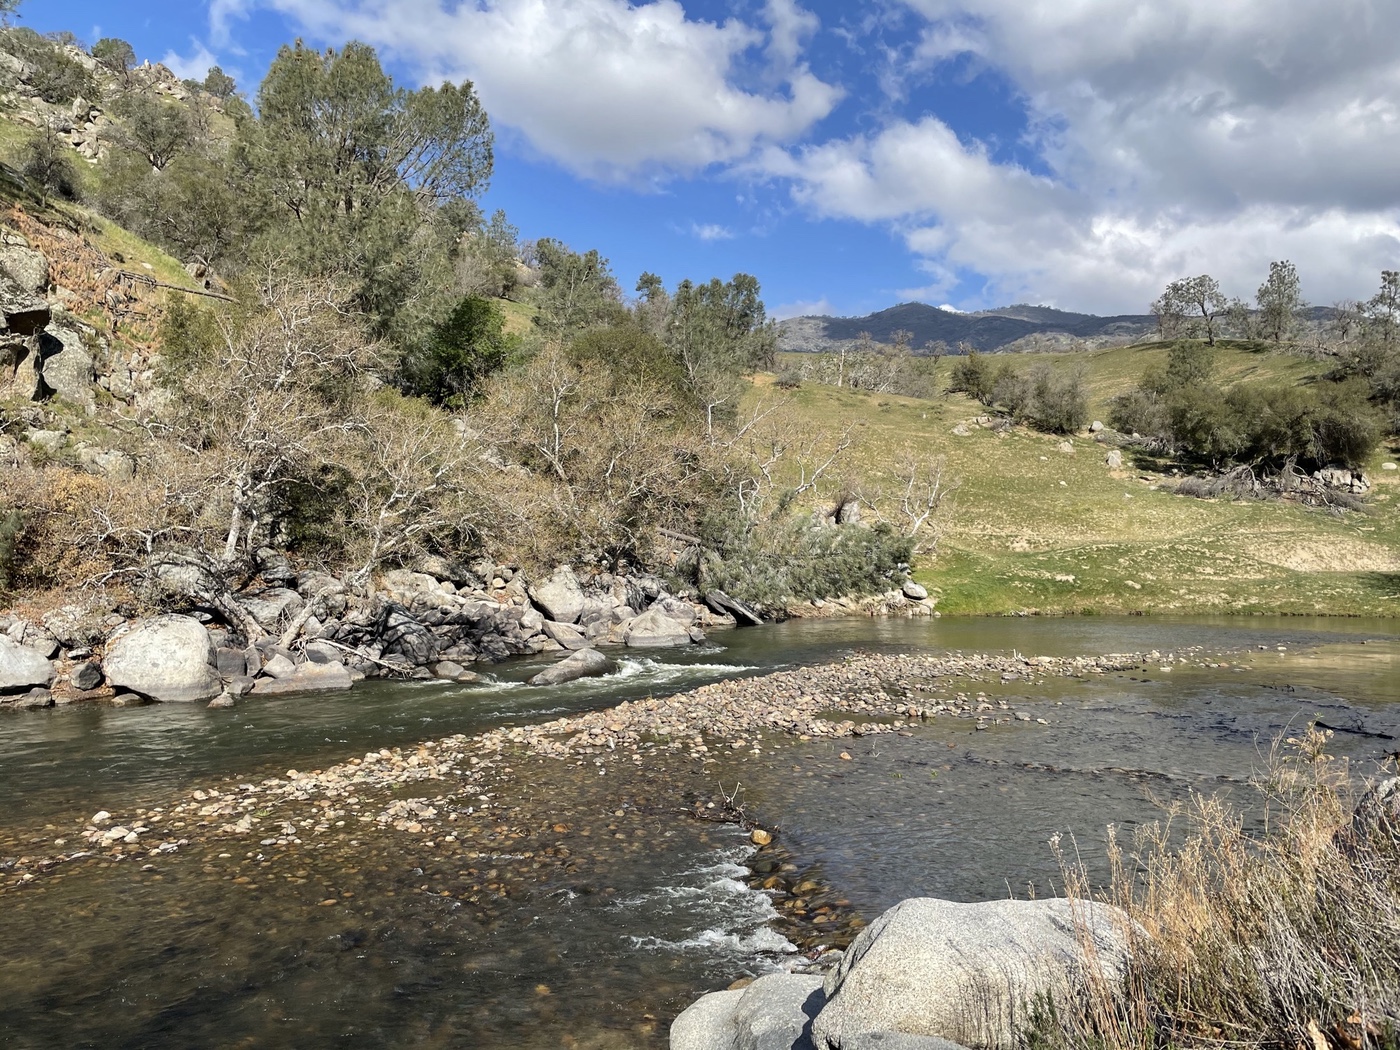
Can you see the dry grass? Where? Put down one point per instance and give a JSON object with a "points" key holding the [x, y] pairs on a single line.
{"points": [[1280, 934]]}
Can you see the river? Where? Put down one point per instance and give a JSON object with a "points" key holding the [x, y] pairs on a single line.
{"points": [[211, 947]]}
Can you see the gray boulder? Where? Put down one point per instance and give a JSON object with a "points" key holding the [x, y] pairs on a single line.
{"points": [[566, 634], [86, 676], [272, 605], [1114, 460], [967, 972], [26, 267], [403, 585], [744, 615], [560, 597], [167, 658], [656, 627], [914, 591], [68, 368], [707, 1023], [25, 313], [586, 663], [773, 1013], [22, 668], [307, 678], [406, 637]]}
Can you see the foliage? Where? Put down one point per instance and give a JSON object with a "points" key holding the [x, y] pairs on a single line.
{"points": [[974, 376], [1280, 302], [351, 170], [157, 129], [1189, 306], [55, 76], [47, 162], [719, 332], [114, 55], [458, 354], [576, 289], [11, 524], [219, 84], [793, 559], [193, 208], [1260, 424]]}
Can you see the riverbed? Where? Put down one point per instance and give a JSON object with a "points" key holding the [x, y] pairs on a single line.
{"points": [[584, 903]]}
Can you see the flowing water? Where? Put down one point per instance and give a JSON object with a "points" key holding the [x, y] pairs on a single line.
{"points": [[600, 944]]}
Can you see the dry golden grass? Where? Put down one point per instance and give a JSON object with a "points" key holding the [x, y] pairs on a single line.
{"points": [[1281, 931]]}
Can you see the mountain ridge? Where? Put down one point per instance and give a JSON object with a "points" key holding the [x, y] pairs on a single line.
{"points": [[1001, 328]]}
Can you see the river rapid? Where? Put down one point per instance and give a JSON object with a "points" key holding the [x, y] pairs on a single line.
{"points": [[583, 904]]}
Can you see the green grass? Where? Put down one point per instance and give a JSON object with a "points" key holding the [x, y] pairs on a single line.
{"points": [[1038, 530]]}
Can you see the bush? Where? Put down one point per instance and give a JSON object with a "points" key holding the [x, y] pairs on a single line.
{"points": [[47, 162], [458, 354], [794, 560], [975, 377]]}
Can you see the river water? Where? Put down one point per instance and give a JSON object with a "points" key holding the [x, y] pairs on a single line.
{"points": [[234, 946]]}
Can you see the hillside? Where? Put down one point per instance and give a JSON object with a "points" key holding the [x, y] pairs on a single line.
{"points": [[995, 329], [1036, 528]]}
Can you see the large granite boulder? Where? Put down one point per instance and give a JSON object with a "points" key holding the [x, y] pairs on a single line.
{"points": [[25, 313], [22, 668], [167, 658], [586, 663], [970, 973], [68, 368], [28, 268], [744, 615], [663, 624], [773, 1013], [560, 597]]}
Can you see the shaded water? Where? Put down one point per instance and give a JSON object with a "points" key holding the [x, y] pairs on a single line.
{"points": [[648, 911]]}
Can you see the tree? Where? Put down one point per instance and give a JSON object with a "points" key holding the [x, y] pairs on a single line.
{"points": [[719, 332], [219, 84], [115, 55], [458, 354], [1189, 306], [974, 376], [159, 131], [46, 161], [354, 170], [1280, 302], [576, 290]]}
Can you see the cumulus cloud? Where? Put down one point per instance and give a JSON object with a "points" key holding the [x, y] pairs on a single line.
{"points": [[1176, 137], [711, 232], [194, 66], [608, 89]]}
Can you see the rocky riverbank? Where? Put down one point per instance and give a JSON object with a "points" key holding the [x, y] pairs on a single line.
{"points": [[302, 632]]}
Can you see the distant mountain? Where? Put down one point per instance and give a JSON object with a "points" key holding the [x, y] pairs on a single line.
{"points": [[1019, 327]]}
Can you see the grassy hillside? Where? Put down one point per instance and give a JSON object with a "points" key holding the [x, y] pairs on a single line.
{"points": [[1038, 529]]}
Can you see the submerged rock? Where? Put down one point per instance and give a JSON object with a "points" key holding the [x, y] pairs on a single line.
{"points": [[306, 678], [586, 663]]}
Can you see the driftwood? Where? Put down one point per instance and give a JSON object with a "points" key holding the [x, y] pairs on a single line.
{"points": [[151, 282]]}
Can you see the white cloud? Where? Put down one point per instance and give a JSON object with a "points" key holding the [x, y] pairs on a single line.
{"points": [[806, 308], [194, 66], [1175, 137], [711, 232], [608, 89]]}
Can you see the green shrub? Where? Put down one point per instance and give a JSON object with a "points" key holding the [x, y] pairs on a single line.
{"points": [[11, 524], [974, 376], [458, 354], [48, 163], [794, 559]]}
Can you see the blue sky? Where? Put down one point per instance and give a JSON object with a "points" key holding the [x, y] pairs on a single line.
{"points": [[851, 156]]}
